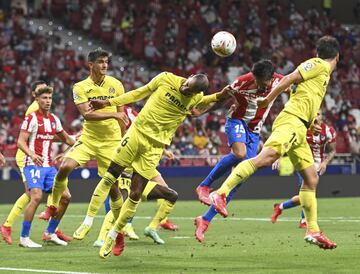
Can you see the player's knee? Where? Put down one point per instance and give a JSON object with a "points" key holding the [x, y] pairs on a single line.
{"points": [[239, 154], [312, 181], [115, 170], [66, 197], [135, 195], [172, 196], [64, 170], [36, 197]]}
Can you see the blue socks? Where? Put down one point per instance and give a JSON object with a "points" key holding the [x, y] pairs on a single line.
{"points": [[107, 204], [53, 224], [25, 232], [210, 214], [288, 204], [223, 166]]}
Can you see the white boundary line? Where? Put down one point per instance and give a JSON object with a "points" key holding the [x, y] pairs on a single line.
{"points": [[41, 270]]}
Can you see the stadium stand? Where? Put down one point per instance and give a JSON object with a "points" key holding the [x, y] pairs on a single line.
{"points": [[180, 45]]}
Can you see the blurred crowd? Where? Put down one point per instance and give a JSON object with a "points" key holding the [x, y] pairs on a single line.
{"points": [[174, 36]]}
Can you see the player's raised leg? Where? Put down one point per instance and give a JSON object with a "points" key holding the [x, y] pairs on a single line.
{"points": [[170, 196], [102, 190], [138, 184], [236, 133]]}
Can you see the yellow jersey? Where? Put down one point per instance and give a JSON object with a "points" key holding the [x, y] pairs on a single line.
{"points": [[20, 155], [86, 90], [306, 99], [166, 107]]}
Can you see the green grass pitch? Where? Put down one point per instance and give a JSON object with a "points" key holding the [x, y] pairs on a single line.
{"points": [[245, 242]]}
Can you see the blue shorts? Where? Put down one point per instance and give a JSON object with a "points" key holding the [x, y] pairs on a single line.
{"points": [[238, 131], [40, 177]]}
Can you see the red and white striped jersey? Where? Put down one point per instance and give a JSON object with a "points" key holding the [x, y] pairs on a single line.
{"points": [[131, 114], [246, 107], [318, 142], [42, 131]]}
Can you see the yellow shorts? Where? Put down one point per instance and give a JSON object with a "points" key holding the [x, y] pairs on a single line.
{"points": [[85, 150], [139, 152], [289, 136]]}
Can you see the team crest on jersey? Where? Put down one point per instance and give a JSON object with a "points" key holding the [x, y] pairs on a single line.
{"points": [[286, 145], [322, 137], [75, 96], [53, 125], [308, 66], [111, 90]]}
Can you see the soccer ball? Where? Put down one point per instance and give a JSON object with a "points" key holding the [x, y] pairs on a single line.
{"points": [[223, 43]]}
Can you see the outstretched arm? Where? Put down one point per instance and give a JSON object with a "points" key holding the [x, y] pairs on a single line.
{"points": [[124, 99], [284, 84], [220, 99]]}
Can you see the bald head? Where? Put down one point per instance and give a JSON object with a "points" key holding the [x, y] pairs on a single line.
{"points": [[195, 84]]}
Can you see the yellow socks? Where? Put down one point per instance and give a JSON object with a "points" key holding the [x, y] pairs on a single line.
{"points": [[127, 212], [57, 191], [116, 207], [309, 204], [106, 226], [239, 174], [49, 200], [16, 210], [159, 202], [163, 211], [100, 193]]}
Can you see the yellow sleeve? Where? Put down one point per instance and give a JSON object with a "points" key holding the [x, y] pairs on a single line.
{"points": [[206, 100], [310, 69], [33, 107], [139, 93], [129, 97], [79, 95]]}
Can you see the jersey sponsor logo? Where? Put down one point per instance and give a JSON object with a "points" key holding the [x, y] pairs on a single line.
{"points": [[175, 100], [100, 97], [111, 90], [45, 136], [75, 96], [308, 66]]}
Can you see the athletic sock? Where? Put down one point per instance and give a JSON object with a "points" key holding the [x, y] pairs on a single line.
{"points": [[223, 166], [88, 220], [16, 210], [309, 204], [53, 224], [163, 211], [116, 206], [107, 204], [100, 193], [287, 204], [239, 174], [127, 212], [57, 191], [106, 226], [49, 201], [25, 232]]}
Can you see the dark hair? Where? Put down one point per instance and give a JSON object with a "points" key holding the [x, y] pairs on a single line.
{"points": [[95, 54], [43, 90], [263, 69], [36, 83], [201, 82], [327, 47]]}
